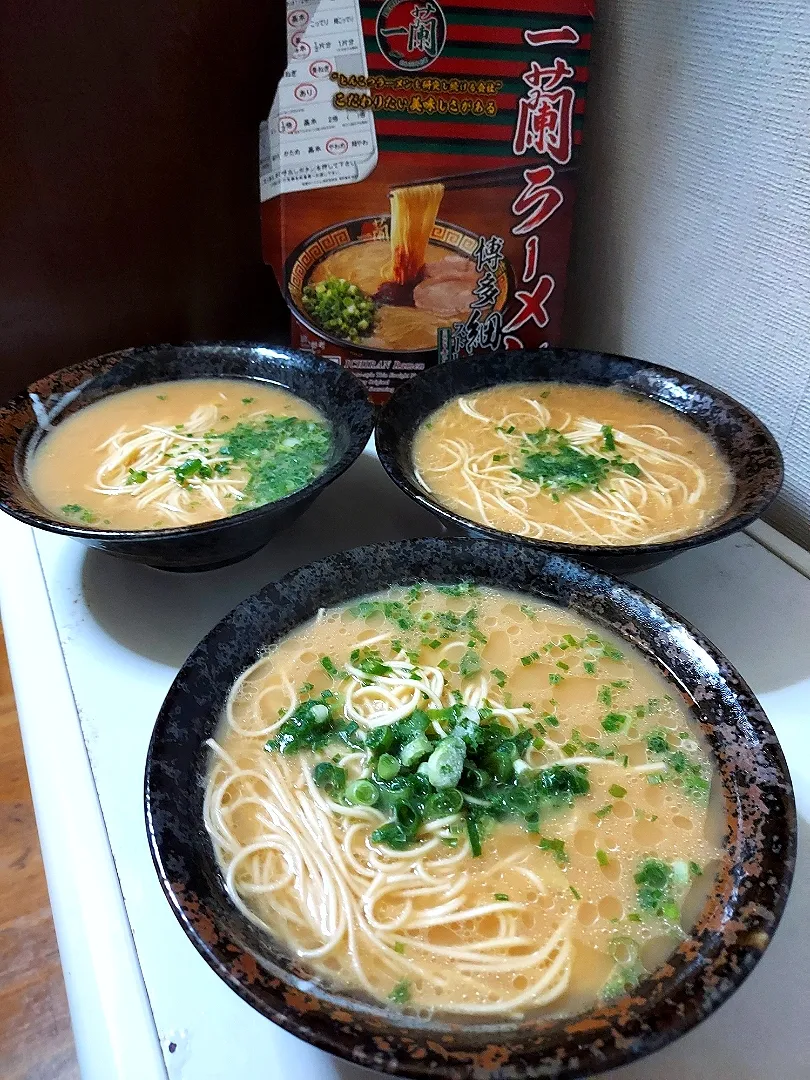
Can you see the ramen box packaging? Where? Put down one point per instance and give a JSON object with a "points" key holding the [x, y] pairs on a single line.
{"points": [[418, 177]]}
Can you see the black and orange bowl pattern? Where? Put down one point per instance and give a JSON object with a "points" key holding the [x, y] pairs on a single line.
{"points": [[27, 418], [750, 450], [733, 930]]}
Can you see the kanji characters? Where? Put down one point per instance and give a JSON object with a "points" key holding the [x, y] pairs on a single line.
{"points": [[546, 113], [422, 30], [488, 253], [559, 35], [545, 120], [482, 331]]}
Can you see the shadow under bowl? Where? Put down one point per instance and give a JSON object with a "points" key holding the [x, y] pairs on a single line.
{"points": [[749, 449], [27, 418], [736, 924]]}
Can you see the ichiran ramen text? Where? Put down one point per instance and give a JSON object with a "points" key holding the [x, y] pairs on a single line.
{"points": [[417, 178]]}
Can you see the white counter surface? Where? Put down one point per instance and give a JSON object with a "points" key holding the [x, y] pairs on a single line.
{"points": [[94, 644]]}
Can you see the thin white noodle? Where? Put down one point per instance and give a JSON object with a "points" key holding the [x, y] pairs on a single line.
{"points": [[330, 885], [619, 515]]}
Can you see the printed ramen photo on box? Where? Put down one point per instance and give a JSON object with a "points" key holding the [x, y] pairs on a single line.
{"points": [[417, 177]]}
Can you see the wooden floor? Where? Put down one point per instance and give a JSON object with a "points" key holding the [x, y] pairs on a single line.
{"points": [[35, 1037]]}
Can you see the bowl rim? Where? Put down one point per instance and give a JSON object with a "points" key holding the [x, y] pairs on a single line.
{"points": [[106, 361], [703, 977], [303, 317], [387, 451]]}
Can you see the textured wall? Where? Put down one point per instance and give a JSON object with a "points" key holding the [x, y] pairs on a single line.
{"points": [[693, 238]]}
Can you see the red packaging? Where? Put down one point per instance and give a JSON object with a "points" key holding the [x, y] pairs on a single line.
{"points": [[485, 96]]}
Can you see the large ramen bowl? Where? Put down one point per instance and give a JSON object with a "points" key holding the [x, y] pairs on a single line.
{"points": [[748, 447], [25, 421], [744, 904], [355, 238]]}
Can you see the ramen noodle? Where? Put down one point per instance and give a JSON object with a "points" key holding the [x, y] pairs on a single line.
{"points": [[413, 216], [572, 464], [407, 316], [417, 187], [454, 799], [179, 453]]}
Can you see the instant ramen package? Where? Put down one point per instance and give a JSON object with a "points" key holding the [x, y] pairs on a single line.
{"points": [[417, 177]]}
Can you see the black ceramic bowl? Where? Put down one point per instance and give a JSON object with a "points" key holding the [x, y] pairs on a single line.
{"points": [[328, 387], [748, 446], [735, 926]]}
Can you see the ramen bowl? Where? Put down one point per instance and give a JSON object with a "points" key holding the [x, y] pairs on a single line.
{"points": [[735, 925], [356, 242], [749, 449], [25, 421]]}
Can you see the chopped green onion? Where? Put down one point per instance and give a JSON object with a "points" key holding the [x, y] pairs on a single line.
{"points": [[608, 439], [474, 835], [470, 664], [387, 767], [329, 777], [670, 911], [556, 847], [415, 750], [362, 793], [445, 764], [614, 722], [444, 803], [81, 512], [401, 994]]}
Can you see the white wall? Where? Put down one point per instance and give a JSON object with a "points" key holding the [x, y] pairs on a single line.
{"points": [[693, 237]]}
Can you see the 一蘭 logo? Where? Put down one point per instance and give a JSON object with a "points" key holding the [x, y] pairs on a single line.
{"points": [[411, 33]]}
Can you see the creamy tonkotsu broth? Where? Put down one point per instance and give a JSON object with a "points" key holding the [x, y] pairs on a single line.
{"points": [[463, 800], [442, 296], [179, 453], [577, 464], [396, 293]]}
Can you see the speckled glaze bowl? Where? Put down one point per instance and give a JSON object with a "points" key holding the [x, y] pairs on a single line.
{"points": [[26, 419], [749, 448], [734, 928]]}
